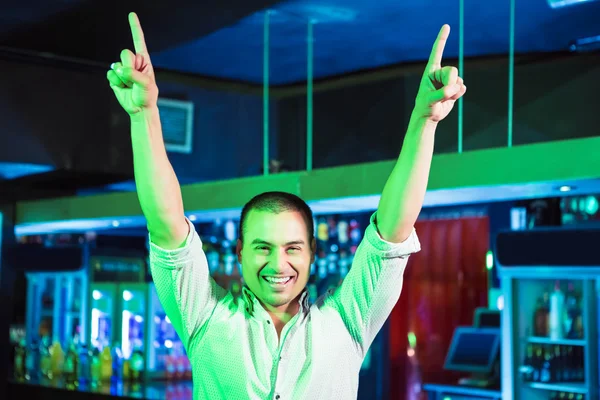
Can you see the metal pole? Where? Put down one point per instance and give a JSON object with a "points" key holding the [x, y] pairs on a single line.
{"points": [[461, 69], [266, 94], [309, 97], [511, 73]]}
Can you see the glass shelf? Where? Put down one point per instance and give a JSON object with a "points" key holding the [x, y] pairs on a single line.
{"points": [[560, 342], [560, 387]]}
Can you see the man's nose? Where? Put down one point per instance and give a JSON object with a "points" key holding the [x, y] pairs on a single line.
{"points": [[279, 259]]}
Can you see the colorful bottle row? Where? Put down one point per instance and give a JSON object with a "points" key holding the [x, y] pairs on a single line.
{"points": [[566, 396], [77, 365], [553, 363]]}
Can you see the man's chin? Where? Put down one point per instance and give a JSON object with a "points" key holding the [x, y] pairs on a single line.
{"points": [[277, 299]]}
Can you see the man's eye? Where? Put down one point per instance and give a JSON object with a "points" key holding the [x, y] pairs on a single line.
{"points": [[294, 249]]}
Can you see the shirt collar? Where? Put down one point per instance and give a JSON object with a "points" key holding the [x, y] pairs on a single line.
{"points": [[252, 302]]}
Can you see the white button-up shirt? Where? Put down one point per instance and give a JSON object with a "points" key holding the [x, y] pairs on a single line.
{"points": [[232, 343]]}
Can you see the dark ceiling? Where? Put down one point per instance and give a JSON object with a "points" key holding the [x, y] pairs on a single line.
{"points": [[224, 39]]}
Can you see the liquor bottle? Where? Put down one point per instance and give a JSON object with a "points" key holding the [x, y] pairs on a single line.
{"points": [[170, 367], [45, 361], [216, 230], [342, 233], [571, 364], [83, 368], [57, 360], [565, 365], [322, 233], [230, 231], [570, 311], [136, 365], [321, 274], [187, 367], [95, 366], [127, 369], [578, 350], [333, 232], [576, 316], [557, 303], [19, 361], [527, 369], [343, 264], [71, 367], [545, 373], [116, 355], [355, 233], [541, 316], [556, 365], [32, 361], [106, 365], [228, 259], [537, 363], [212, 256], [179, 357]]}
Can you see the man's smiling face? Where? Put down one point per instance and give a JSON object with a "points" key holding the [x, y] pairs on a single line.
{"points": [[276, 255]]}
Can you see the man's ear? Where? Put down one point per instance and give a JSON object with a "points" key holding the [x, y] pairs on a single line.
{"points": [[313, 250], [238, 250]]}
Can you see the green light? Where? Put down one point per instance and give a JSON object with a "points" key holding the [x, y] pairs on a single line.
{"points": [[489, 260], [447, 398], [412, 340]]}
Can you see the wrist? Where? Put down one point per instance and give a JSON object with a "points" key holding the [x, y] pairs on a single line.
{"points": [[420, 121], [145, 114]]}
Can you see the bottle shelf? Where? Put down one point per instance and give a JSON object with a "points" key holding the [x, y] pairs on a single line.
{"points": [[560, 342], [560, 387]]}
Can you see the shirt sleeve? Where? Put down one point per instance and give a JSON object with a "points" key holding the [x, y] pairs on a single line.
{"points": [[184, 286], [372, 287]]}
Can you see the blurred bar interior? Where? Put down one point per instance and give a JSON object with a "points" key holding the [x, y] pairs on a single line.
{"points": [[313, 99]]}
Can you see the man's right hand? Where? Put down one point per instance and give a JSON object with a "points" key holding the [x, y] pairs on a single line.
{"points": [[132, 79]]}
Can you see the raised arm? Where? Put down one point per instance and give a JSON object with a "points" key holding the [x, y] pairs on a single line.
{"points": [[374, 283], [404, 192], [132, 79], [177, 261]]}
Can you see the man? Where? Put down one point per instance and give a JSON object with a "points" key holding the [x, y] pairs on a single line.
{"points": [[270, 343]]}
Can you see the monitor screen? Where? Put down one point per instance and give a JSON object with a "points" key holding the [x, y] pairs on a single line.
{"points": [[486, 318], [473, 350]]}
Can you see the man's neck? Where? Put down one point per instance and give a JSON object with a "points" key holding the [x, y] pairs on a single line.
{"points": [[283, 313]]}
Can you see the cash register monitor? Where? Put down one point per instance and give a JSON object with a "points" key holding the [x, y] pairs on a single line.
{"points": [[474, 350], [486, 318]]}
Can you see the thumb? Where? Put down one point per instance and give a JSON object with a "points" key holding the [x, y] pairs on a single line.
{"points": [[133, 75], [444, 93]]}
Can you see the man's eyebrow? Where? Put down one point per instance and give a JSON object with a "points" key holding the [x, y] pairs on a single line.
{"points": [[262, 241]]}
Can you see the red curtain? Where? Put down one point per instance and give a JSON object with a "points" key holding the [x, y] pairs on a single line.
{"points": [[443, 285]]}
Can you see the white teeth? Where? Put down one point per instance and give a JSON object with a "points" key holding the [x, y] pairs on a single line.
{"points": [[277, 280]]}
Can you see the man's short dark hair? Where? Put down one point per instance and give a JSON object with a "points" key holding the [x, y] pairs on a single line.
{"points": [[277, 202]]}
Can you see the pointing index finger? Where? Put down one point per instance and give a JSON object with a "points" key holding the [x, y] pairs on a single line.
{"points": [[438, 47], [138, 35]]}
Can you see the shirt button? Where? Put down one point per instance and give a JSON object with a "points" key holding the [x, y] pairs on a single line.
{"points": [[277, 397], [268, 322]]}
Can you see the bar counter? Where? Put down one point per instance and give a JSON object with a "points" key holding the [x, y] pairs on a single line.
{"points": [[56, 389]]}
